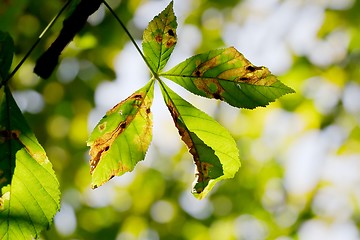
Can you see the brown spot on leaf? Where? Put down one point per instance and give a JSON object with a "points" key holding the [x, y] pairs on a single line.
{"points": [[253, 68], [123, 125], [3, 133], [238, 68], [215, 91], [217, 96], [205, 168], [102, 144], [2, 180], [137, 96], [197, 73], [102, 126], [250, 68], [3, 136], [188, 140], [15, 134], [94, 163], [148, 111], [171, 33], [6, 135], [171, 42], [158, 38], [255, 75], [173, 112], [198, 189]]}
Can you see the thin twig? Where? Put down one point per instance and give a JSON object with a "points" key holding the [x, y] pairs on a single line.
{"points": [[35, 44], [131, 38]]}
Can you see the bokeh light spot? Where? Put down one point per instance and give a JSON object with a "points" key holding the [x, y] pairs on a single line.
{"points": [[29, 101], [196, 208], [68, 70], [65, 220], [53, 92], [162, 211], [58, 126]]}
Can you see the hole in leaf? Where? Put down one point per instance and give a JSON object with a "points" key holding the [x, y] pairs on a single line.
{"points": [[138, 96]]}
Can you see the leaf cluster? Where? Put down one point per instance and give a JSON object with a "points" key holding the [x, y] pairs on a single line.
{"points": [[120, 140]]}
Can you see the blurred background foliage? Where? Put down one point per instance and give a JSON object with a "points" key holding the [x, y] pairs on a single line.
{"points": [[300, 155]]}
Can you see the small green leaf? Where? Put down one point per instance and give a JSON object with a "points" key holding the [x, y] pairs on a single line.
{"points": [[29, 190], [6, 55], [215, 153], [121, 138], [160, 38], [227, 75]]}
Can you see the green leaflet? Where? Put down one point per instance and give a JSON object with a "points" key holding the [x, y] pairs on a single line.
{"points": [[215, 153], [29, 189], [6, 55], [159, 39], [227, 75], [122, 137]]}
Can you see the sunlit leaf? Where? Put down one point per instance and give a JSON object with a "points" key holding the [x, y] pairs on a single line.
{"points": [[160, 38], [215, 153], [227, 75], [6, 54], [29, 188], [121, 138]]}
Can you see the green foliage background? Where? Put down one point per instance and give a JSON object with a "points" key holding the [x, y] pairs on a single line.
{"points": [[300, 155]]}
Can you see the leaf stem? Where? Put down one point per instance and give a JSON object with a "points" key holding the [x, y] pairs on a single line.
{"points": [[162, 86], [131, 38], [35, 44]]}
